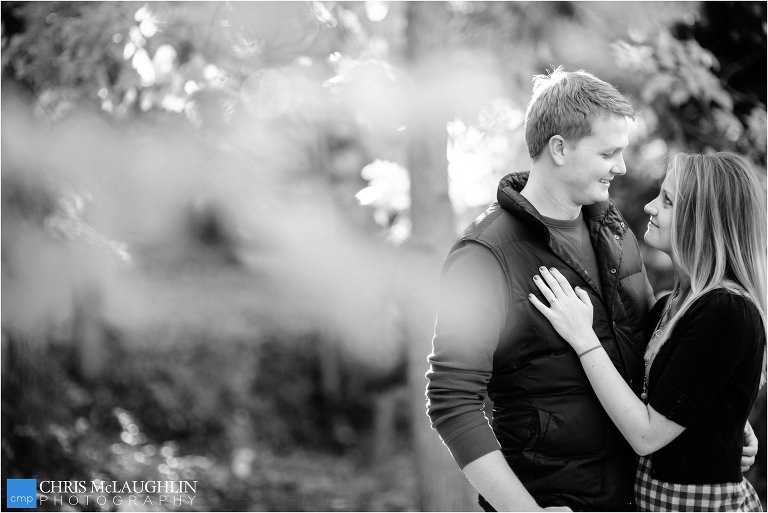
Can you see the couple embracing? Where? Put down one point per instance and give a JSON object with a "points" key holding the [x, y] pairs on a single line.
{"points": [[604, 399]]}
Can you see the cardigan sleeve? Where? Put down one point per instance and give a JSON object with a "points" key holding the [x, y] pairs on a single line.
{"points": [[469, 324], [707, 346]]}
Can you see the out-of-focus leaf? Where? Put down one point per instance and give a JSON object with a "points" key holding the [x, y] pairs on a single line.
{"points": [[656, 85]]}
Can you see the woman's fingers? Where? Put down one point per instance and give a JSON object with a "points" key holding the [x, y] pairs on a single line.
{"points": [[553, 284], [582, 294], [562, 281], [539, 305], [545, 290]]}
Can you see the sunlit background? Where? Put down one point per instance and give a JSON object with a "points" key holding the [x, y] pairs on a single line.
{"points": [[223, 223]]}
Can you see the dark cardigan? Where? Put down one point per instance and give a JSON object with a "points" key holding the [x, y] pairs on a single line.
{"points": [[706, 378]]}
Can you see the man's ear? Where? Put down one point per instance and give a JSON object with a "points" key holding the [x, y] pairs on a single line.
{"points": [[556, 149]]}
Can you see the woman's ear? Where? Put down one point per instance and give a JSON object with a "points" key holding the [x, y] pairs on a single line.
{"points": [[556, 149]]}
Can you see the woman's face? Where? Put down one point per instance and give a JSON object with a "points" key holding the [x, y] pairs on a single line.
{"points": [[659, 233]]}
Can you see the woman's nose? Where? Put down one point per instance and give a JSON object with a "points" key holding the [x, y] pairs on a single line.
{"points": [[650, 209]]}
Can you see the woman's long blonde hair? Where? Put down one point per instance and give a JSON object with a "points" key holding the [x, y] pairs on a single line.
{"points": [[718, 233]]}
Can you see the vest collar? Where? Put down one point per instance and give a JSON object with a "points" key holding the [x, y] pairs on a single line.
{"points": [[602, 219], [509, 197]]}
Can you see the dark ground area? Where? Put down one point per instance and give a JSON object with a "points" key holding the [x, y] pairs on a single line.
{"points": [[193, 398]]}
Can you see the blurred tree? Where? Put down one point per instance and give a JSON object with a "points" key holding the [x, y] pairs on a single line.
{"points": [[735, 33], [443, 487], [704, 80]]}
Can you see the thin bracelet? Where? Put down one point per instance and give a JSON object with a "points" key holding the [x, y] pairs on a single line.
{"points": [[598, 346]]}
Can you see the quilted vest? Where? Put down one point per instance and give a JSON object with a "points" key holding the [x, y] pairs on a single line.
{"points": [[553, 432]]}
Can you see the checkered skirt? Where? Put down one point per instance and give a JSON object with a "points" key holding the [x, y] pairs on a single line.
{"points": [[654, 495]]}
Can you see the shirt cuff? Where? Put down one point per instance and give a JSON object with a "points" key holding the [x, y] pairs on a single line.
{"points": [[673, 404], [471, 441]]}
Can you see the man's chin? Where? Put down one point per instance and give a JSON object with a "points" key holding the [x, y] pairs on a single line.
{"points": [[599, 197]]}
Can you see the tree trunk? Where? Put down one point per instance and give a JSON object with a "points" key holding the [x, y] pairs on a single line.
{"points": [[442, 486]]}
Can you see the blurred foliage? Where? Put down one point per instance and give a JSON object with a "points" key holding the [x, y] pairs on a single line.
{"points": [[202, 201], [249, 449], [688, 88]]}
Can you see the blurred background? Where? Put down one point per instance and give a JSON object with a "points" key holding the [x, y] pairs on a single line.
{"points": [[223, 223]]}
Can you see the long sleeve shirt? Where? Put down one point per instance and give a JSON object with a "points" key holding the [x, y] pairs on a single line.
{"points": [[469, 324]]}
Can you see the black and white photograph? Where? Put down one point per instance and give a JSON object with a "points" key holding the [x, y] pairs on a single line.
{"points": [[383, 256]]}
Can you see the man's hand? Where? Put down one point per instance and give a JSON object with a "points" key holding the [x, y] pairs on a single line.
{"points": [[750, 448]]}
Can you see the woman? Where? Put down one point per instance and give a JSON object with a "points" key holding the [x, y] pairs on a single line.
{"points": [[705, 357]]}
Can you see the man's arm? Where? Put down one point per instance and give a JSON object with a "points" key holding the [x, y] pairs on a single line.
{"points": [[469, 323], [495, 480]]}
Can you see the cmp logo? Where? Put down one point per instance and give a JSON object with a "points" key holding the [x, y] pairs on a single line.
{"points": [[21, 493]]}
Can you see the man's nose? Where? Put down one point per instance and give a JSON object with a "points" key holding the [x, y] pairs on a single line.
{"points": [[619, 168]]}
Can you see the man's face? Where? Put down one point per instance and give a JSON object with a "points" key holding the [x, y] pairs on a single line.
{"points": [[591, 162]]}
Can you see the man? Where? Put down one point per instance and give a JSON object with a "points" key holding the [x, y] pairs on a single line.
{"points": [[551, 443]]}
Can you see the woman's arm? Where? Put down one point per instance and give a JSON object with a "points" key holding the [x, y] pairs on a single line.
{"points": [[570, 313], [645, 429]]}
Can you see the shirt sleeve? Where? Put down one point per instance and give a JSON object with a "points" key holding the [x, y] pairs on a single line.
{"points": [[710, 342], [469, 323]]}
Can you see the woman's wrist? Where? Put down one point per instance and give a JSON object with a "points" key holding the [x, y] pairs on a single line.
{"points": [[593, 348], [586, 343]]}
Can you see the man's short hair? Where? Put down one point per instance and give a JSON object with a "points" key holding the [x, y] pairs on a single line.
{"points": [[565, 103]]}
